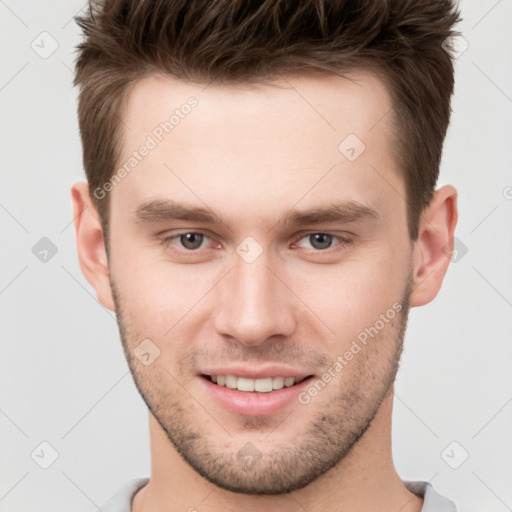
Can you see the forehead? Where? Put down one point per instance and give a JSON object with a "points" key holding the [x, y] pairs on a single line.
{"points": [[331, 105], [244, 146]]}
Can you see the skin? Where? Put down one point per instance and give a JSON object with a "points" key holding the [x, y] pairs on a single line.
{"points": [[251, 154]]}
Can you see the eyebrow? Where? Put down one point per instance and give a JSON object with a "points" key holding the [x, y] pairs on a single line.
{"points": [[161, 210]]}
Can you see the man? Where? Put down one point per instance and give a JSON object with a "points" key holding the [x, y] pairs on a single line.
{"points": [[260, 212]]}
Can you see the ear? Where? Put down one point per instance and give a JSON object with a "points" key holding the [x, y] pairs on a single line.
{"points": [[90, 244], [434, 246]]}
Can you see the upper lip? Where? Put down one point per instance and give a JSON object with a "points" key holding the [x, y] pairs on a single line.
{"points": [[257, 373]]}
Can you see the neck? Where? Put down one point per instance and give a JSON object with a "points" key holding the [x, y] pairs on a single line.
{"points": [[365, 480]]}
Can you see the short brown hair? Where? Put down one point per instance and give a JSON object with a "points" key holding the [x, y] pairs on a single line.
{"points": [[405, 42]]}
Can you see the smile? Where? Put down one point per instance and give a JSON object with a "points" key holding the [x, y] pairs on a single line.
{"points": [[265, 385]]}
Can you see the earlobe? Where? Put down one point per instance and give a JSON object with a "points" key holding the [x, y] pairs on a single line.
{"points": [[434, 245], [90, 244]]}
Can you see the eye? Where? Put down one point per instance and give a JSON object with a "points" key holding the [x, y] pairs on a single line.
{"points": [[323, 241], [190, 240]]}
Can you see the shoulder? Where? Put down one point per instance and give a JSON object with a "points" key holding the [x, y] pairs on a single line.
{"points": [[432, 500], [122, 500]]}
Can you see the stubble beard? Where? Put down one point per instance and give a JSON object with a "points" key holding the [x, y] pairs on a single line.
{"points": [[328, 440]]}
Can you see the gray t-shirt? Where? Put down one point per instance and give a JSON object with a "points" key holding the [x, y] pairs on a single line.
{"points": [[433, 502]]}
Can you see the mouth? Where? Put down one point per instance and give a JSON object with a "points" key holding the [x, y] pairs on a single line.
{"points": [[267, 394], [248, 385]]}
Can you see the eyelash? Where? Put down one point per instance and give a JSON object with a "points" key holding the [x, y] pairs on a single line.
{"points": [[343, 242]]}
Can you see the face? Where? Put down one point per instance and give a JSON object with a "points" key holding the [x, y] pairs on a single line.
{"points": [[263, 236]]}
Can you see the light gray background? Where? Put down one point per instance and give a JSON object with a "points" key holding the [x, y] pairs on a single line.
{"points": [[64, 379]]}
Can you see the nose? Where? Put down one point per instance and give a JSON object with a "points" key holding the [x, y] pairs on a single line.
{"points": [[254, 302]]}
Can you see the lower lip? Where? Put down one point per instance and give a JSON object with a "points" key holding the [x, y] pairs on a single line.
{"points": [[254, 403]]}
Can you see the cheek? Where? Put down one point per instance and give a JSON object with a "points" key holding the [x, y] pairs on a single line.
{"points": [[159, 298], [352, 295]]}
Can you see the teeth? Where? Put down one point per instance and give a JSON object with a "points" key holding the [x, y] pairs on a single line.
{"points": [[243, 384], [289, 381], [265, 385], [231, 381], [277, 382]]}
